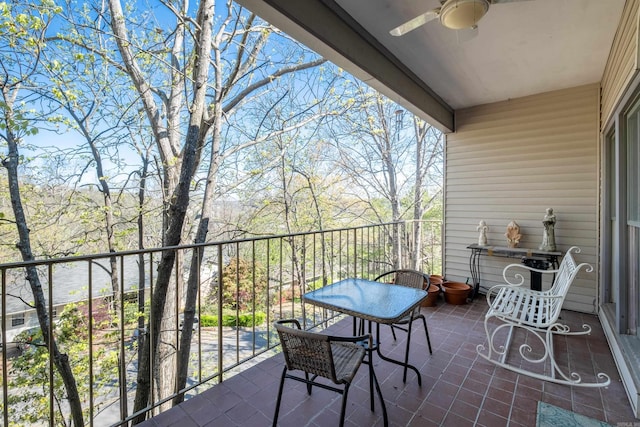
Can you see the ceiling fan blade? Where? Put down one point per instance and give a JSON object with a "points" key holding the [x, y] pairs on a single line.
{"points": [[415, 22], [506, 1]]}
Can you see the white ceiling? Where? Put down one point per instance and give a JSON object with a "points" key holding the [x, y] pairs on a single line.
{"points": [[521, 48]]}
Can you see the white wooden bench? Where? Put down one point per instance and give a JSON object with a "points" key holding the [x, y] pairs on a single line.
{"points": [[538, 312]]}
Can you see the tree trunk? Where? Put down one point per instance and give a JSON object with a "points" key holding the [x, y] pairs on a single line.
{"points": [[190, 157], [60, 360], [418, 192], [141, 262], [193, 282]]}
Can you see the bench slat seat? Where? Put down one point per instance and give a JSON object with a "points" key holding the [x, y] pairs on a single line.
{"points": [[538, 312], [524, 306]]}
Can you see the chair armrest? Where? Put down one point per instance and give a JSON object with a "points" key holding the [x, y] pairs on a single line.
{"points": [[362, 338], [289, 321]]}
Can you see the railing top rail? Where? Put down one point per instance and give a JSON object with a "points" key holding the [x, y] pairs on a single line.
{"points": [[16, 264]]}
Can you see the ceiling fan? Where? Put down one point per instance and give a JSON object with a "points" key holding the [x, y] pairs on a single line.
{"points": [[454, 14]]}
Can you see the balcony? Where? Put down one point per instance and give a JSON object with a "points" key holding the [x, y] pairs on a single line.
{"points": [[459, 388], [234, 368], [100, 309]]}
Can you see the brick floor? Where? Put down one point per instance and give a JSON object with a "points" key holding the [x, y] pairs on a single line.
{"points": [[458, 387]]}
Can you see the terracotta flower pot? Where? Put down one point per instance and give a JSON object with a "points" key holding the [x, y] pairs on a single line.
{"points": [[456, 293], [436, 279], [432, 296]]}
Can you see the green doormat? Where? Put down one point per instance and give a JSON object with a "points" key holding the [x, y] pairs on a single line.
{"points": [[549, 415]]}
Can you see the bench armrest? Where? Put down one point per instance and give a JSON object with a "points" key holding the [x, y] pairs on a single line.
{"points": [[516, 281], [518, 276], [524, 292], [495, 289]]}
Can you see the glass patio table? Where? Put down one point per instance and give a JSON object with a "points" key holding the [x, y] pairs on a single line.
{"points": [[371, 301]]}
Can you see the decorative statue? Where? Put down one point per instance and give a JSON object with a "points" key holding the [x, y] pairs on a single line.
{"points": [[549, 236], [482, 228], [513, 234]]}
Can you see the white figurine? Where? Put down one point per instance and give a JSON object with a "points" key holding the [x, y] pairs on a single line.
{"points": [[549, 236], [513, 234], [482, 237]]}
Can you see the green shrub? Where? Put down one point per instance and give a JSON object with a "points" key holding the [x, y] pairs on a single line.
{"points": [[229, 319], [208, 320]]}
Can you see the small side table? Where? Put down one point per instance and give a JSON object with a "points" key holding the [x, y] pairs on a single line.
{"points": [[535, 258]]}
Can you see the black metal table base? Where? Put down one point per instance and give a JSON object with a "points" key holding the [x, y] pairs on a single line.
{"points": [[474, 268], [359, 329]]}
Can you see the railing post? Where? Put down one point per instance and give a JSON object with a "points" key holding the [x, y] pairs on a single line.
{"points": [[50, 343], [220, 294], [5, 385], [122, 365], [355, 252], [90, 321]]}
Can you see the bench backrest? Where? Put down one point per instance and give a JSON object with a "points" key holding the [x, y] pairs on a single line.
{"points": [[565, 275]]}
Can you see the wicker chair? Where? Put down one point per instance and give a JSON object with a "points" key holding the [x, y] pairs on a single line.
{"points": [[412, 279], [331, 357]]}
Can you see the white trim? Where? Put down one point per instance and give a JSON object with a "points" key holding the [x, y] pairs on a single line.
{"points": [[627, 377]]}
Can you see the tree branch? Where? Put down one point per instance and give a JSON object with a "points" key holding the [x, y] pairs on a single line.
{"points": [[283, 71]]}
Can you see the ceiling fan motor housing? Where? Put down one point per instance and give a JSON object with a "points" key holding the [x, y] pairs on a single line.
{"points": [[460, 14]]}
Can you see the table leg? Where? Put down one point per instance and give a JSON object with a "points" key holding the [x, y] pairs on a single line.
{"points": [[385, 417], [361, 328], [404, 364], [474, 268], [535, 276], [536, 281], [373, 381]]}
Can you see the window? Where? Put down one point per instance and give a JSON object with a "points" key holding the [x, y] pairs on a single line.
{"points": [[17, 319]]}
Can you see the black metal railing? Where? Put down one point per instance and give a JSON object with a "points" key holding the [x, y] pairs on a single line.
{"points": [[100, 307]]}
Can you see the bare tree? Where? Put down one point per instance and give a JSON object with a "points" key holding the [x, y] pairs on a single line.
{"points": [[230, 94], [179, 163], [240, 73], [384, 162], [428, 159], [24, 28]]}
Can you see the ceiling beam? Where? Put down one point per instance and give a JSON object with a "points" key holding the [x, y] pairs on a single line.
{"points": [[324, 27]]}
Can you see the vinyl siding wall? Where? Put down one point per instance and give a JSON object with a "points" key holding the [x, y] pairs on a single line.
{"points": [[510, 161], [622, 63]]}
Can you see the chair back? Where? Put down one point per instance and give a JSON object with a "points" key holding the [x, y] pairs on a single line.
{"points": [[406, 277], [411, 279], [307, 351]]}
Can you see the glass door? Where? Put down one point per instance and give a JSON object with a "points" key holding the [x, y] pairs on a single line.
{"points": [[630, 283], [633, 217], [611, 269]]}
